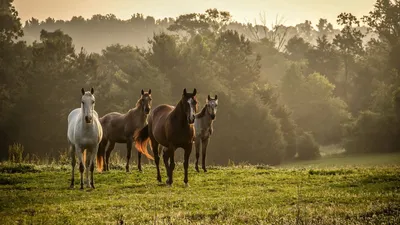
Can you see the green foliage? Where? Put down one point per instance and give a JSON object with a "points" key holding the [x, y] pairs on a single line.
{"points": [[314, 92], [317, 77], [207, 23], [269, 96], [297, 48], [372, 132], [10, 27], [307, 147]]}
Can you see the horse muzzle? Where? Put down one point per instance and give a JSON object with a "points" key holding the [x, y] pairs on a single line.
{"points": [[190, 120], [147, 110], [88, 119], [212, 116]]}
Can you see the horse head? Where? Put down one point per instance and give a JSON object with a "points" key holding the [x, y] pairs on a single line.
{"points": [[146, 101], [189, 105], [212, 105], [87, 105]]}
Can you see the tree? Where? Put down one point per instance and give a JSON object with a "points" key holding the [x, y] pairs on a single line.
{"points": [[324, 28], [14, 60], [297, 48], [212, 21], [385, 20], [314, 107], [349, 44], [240, 67], [305, 30], [323, 59], [10, 26]]}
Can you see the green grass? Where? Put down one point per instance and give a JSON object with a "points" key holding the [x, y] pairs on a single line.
{"points": [[295, 194], [342, 160]]}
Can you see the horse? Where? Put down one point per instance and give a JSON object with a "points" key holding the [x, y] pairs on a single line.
{"points": [[203, 124], [120, 128], [84, 133], [172, 128]]}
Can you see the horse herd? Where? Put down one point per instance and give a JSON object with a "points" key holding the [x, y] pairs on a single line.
{"points": [[165, 128]]}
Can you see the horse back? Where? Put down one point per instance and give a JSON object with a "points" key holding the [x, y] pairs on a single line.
{"points": [[114, 126]]}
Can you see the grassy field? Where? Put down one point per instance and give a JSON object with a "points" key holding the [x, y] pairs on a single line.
{"points": [[333, 191]]}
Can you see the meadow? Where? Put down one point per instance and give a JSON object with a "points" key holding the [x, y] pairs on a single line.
{"points": [[332, 190]]}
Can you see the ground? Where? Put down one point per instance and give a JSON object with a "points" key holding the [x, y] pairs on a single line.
{"points": [[335, 190]]}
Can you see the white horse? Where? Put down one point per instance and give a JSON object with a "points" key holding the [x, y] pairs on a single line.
{"points": [[203, 124], [84, 133]]}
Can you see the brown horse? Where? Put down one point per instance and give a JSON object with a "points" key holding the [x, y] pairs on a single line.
{"points": [[120, 128], [172, 127]]}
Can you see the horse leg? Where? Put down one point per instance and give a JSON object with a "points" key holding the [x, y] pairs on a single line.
{"points": [[154, 146], [87, 163], [204, 144], [73, 163], [166, 163], [139, 161], [79, 152], [197, 146], [102, 152], [108, 153], [128, 153], [92, 158], [171, 164], [188, 150]]}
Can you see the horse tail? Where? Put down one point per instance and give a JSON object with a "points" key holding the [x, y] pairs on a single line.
{"points": [[100, 158], [142, 138]]}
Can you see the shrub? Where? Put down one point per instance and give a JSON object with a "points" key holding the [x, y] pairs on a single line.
{"points": [[307, 147], [372, 132]]}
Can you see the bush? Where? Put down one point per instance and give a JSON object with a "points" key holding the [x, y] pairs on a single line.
{"points": [[314, 106], [246, 131], [307, 147], [372, 132]]}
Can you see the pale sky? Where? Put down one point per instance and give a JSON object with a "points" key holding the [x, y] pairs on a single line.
{"points": [[293, 11]]}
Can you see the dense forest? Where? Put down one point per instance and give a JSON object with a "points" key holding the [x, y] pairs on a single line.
{"points": [[283, 90]]}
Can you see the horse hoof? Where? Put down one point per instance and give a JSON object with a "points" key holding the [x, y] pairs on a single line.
{"points": [[205, 170], [197, 169], [187, 185], [93, 186], [71, 187]]}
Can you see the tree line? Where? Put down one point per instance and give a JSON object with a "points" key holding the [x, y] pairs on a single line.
{"points": [[283, 91]]}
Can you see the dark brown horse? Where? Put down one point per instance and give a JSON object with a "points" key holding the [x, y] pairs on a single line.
{"points": [[172, 127], [120, 128]]}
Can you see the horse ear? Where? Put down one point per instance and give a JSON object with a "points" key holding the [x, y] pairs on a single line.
{"points": [[194, 92], [92, 91], [216, 97], [184, 91], [208, 98], [149, 92], [142, 92], [83, 91]]}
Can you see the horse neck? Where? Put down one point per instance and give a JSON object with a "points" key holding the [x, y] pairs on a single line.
{"points": [[179, 114], [205, 117], [136, 115]]}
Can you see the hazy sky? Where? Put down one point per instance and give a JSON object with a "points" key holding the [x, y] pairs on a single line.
{"points": [[293, 11]]}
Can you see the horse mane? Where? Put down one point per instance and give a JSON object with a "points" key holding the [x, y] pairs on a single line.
{"points": [[202, 113]]}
